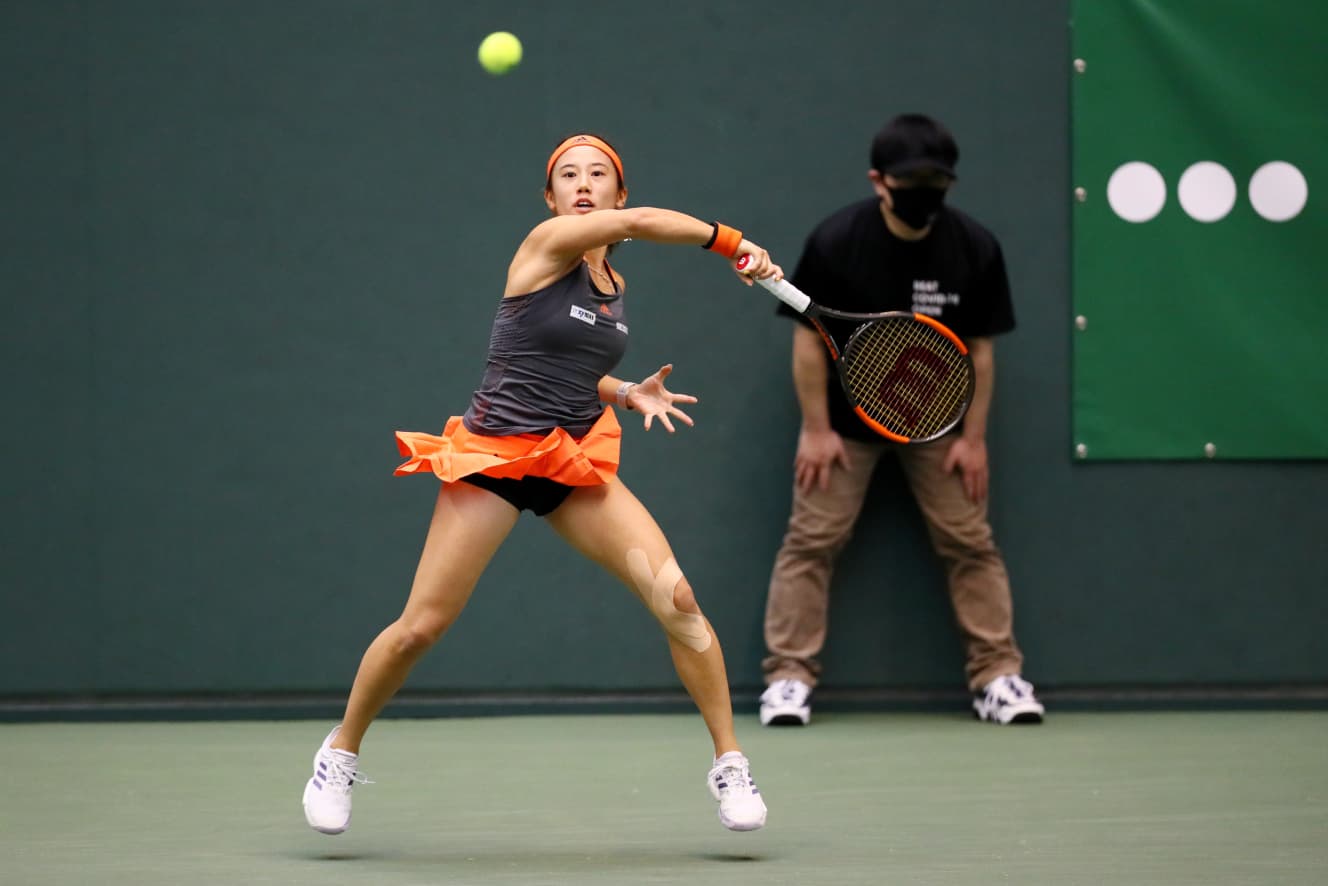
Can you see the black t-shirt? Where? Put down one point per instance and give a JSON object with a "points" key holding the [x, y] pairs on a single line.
{"points": [[851, 262]]}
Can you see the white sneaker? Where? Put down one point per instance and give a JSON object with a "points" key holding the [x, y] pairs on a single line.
{"points": [[740, 805], [1008, 699], [785, 703], [327, 795]]}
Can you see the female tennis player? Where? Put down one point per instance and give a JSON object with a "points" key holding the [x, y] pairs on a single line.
{"points": [[538, 436]]}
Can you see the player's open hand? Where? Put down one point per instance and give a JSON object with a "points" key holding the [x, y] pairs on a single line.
{"points": [[652, 399]]}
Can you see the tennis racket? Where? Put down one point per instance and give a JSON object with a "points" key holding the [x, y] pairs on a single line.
{"points": [[907, 376]]}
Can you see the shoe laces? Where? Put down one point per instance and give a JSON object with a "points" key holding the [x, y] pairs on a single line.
{"points": [[1010, 687], [788, 690], [733, 776], [342, 774]]}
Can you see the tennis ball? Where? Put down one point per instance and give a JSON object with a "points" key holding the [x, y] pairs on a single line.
{"points": [[500, 52]]}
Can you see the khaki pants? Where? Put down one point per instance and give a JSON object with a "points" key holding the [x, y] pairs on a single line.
{"points": [[820, 525]]}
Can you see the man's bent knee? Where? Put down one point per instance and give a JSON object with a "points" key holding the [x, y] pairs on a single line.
{"points": [[821, 542]]}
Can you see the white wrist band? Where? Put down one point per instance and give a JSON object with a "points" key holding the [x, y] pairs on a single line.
{"points": [[623, 390]]}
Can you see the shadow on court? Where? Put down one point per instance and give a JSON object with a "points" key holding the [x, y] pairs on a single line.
{"points": [[567, 862], [633, 859]]}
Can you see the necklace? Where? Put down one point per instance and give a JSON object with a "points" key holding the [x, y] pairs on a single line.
{"points": [[603, 276]]}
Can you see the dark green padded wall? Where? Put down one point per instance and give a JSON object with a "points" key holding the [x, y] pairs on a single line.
{"points": [[244, 242]]}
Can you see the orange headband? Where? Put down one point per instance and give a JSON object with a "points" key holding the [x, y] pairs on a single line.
{"points": [[585, 140]]}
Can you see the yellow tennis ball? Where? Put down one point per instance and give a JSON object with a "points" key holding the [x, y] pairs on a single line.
{"points": [[500, 52]]}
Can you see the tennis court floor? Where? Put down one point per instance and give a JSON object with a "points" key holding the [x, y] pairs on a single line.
{"points": [[1093, 799]]}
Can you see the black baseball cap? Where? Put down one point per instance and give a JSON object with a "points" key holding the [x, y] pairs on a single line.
{"points": [[912, 143]]}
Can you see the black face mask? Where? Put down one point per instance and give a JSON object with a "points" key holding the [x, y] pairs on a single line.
{"points": [[917, 207]]}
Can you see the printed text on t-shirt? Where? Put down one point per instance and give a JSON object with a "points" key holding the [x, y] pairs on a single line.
{"points": [[928, 298]]}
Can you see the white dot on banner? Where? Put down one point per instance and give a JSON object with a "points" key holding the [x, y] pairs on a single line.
{"points": [[1136, 192], [1278, 191], [1206, 191]]}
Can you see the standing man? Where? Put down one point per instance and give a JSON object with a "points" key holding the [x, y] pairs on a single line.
{"points": [[902, 250]]}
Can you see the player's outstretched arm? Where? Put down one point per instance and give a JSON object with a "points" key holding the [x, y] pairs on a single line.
{"points": [[559, 242]]}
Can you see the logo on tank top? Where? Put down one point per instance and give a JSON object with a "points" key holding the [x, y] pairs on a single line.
{"points": [[605, 310], [583, 315]]}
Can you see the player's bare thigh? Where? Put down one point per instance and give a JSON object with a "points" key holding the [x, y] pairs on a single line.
{"points": [[610, 526], [468, 526], [605, 522]]}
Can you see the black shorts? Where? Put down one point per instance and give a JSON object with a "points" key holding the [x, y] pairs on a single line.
{"points": [[539, 495]]}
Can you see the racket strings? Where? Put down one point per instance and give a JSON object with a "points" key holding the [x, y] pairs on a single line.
{"points": [[907, 376]]}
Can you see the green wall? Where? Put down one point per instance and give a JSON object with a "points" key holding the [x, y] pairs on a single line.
{"points": [[244, 242]]}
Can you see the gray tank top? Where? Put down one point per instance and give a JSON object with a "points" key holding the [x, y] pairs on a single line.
{"points": [[547, 352]]}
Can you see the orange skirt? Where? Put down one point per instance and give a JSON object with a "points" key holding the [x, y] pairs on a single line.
{"points": [[589, 461]]}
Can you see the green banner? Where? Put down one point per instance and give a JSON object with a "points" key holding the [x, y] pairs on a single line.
{"points": [[1200, 151]]}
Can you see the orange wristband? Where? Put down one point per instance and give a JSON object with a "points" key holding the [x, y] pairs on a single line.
{"points": [[724, 240]]}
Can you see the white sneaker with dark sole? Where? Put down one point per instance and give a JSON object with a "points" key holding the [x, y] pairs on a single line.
{"points": [[740, 805], [327, 794], [786, 703], [1007, 700]]}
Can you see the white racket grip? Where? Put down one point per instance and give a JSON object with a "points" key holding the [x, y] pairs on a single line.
{"points": [[783, 290], [786, 292]]}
